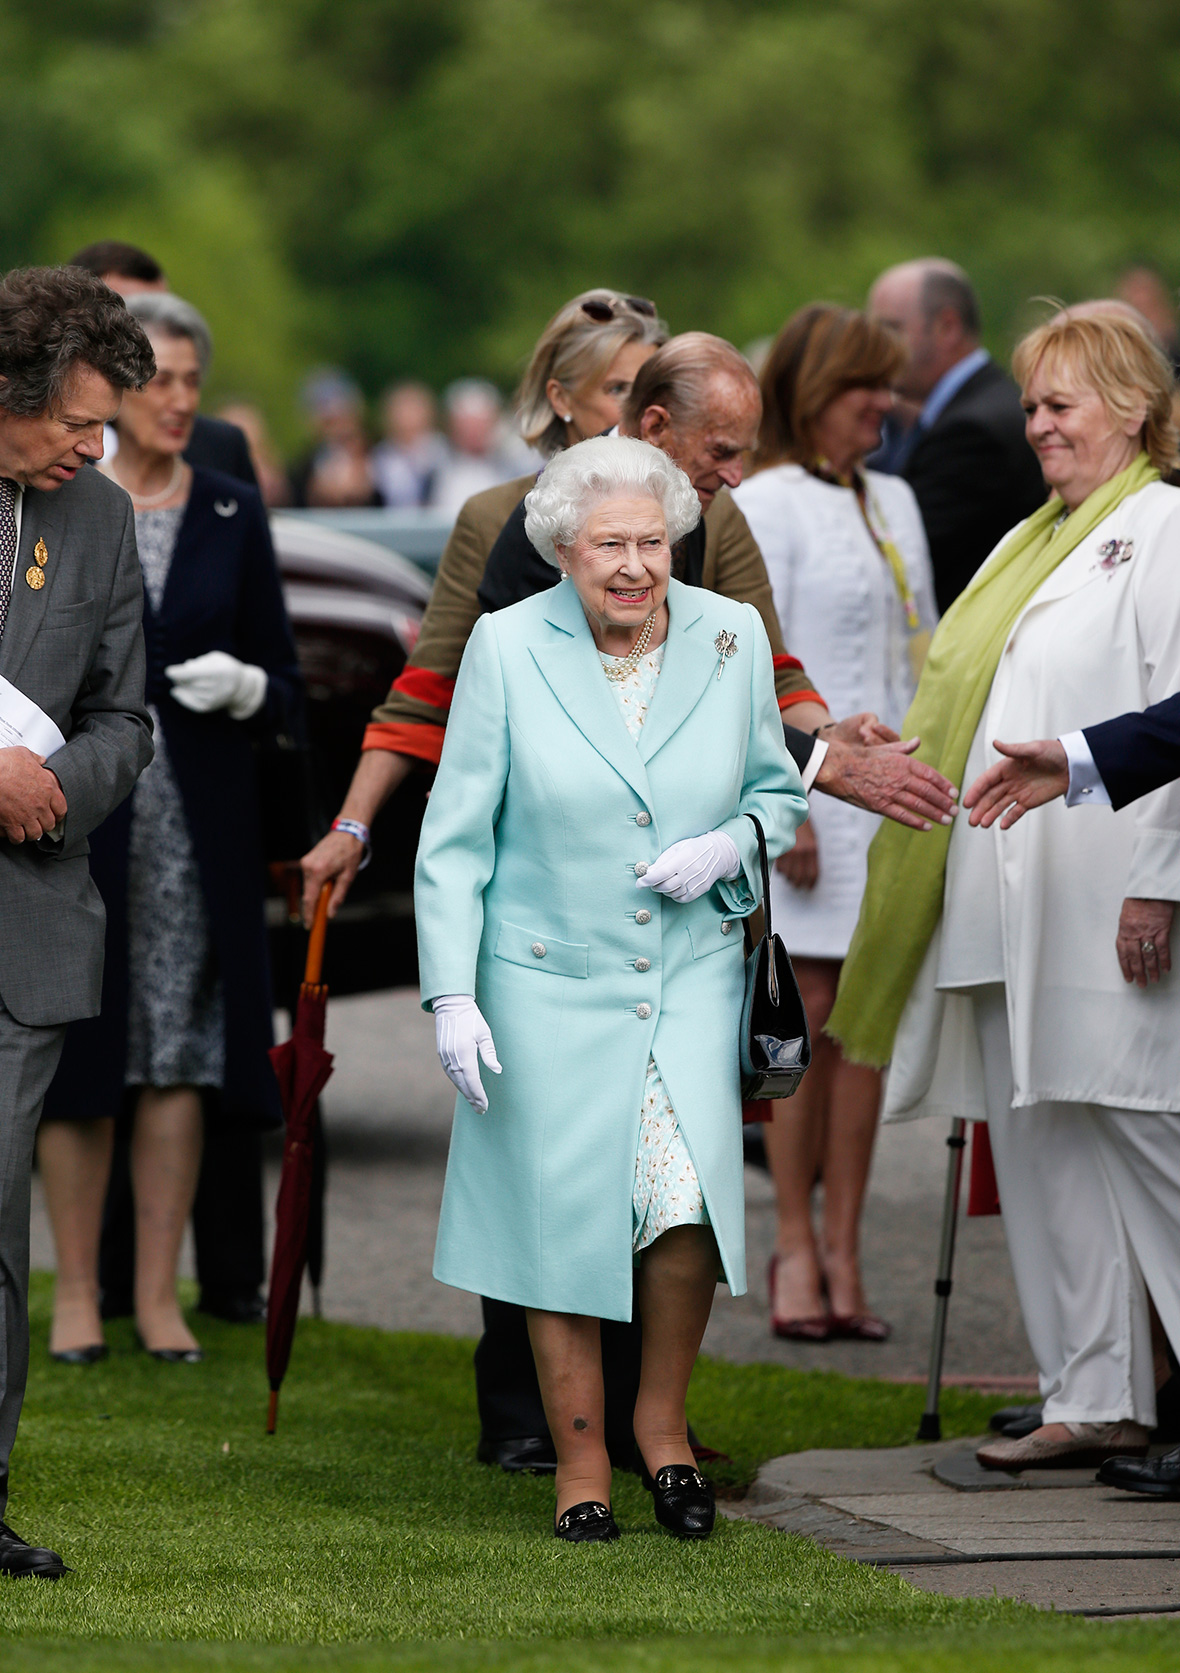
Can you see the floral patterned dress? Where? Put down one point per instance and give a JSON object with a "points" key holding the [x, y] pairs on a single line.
{"points": [[176, 1009], [666, 1191]]}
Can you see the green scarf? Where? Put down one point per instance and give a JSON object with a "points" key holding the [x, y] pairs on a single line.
{"points": [[903, 896]]}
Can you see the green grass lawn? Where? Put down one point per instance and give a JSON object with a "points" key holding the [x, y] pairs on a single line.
{"points": [[365, 1536]]}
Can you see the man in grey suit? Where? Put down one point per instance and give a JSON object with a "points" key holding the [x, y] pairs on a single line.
{"points": [[71, 642]]}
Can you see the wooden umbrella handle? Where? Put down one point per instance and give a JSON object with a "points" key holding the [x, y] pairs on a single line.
{"points": [[315, 942]]}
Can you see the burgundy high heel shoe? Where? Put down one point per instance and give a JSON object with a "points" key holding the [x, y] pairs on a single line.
{"points": [[817, 1329]]}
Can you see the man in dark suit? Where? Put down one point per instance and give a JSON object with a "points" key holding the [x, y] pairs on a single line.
{"points": [[965, 456], [71, 644], [227, 1213]]}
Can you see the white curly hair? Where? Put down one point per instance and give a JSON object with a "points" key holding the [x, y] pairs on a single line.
{"points": [[577, 480]]}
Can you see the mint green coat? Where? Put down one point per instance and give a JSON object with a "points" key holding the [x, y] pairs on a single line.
{"points": [[525, 896]]}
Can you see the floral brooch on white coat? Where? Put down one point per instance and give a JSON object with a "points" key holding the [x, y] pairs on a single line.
{"points": [[725, 645], [1112, 553]]}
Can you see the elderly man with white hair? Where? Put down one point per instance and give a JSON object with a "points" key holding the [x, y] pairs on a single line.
{"points": [[585, 864]]}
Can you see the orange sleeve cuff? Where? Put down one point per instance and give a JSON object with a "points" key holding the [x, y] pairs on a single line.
{"points": [[423, 742], [794, 697]]}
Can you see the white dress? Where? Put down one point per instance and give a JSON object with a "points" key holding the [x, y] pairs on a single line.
{"points": [[667, 1191], [840, 611]]}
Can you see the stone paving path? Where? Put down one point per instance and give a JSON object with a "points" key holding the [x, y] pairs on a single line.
{"points": [[1054, 1538]]}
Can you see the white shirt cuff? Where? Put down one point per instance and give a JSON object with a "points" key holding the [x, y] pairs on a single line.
{"points": [[814, 762], [1085, 781]]}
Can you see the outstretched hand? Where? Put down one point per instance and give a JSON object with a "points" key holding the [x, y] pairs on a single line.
{"points": [[1030, 775], [863, 728], [884, 778]]}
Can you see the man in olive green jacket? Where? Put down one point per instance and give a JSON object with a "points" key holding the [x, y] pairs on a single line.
{"points": [[696, 399]]}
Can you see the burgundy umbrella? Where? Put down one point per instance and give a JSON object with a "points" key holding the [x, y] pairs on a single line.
{"points": [[302, 1068]]}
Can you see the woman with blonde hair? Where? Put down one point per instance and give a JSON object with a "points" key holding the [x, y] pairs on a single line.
{"points": [[847, 558], [986, 964]]}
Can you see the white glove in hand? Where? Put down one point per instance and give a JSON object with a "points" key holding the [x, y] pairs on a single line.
{"points": [[689, 868], [218, 681], [463, 1037]]}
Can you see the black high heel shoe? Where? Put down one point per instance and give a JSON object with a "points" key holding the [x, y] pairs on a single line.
{"points": [[683, 1501], [585, 1522]]}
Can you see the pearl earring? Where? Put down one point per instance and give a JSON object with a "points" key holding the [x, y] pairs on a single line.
{"points": [[567, 418]]}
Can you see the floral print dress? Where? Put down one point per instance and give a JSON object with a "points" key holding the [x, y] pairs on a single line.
{"points": [[666, 1191]]}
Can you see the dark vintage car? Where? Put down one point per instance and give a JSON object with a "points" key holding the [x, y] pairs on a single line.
{"points": [[355, 609]]}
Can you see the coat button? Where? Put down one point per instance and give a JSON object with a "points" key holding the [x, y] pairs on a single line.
{"points": [[643, 916], [643, 818], [725, 929], [538, 949], [643, 965], [640, 868], [643, 1012]]}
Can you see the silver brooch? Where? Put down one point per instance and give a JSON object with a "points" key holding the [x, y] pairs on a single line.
{"points": [[1114, 552], [225, 508], [725, 645]]}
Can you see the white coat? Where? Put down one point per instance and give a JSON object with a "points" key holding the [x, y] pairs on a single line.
{"points": [[838, 603], [1100, 636]]}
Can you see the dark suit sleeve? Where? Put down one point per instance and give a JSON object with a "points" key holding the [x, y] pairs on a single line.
{"points": [[111, 740], [515, 569], [1137, 753], [800, 746], [263, 632]]}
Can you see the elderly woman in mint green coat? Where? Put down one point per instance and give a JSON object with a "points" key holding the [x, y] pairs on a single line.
{"points": [[585, 866]]}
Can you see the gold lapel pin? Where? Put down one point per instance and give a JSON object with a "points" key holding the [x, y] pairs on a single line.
{"points": [[35, 578], [41, 553]]}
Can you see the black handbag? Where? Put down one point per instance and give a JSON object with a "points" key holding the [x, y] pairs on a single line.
{"points": [[775, 1042]]}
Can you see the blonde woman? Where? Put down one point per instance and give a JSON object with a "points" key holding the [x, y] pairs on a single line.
{"points": [[987, 966]]}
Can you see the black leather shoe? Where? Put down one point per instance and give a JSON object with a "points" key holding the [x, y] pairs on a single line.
{"points": [[683, 1501], [20, 1560], [1157, 1477], [89, 1355], [234, 1306], [176, 1356], [586, 1522], [523, 1455], [1015, 1421]]}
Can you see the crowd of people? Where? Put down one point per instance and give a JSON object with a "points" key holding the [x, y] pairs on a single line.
{"points": [[609, 692]]}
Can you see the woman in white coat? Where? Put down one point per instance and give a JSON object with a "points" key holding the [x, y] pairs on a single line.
{"points": [[585, 864], [847, 558], [998, 958]]}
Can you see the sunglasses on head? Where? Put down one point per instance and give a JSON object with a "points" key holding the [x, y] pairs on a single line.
{"points": [[603, 311]]}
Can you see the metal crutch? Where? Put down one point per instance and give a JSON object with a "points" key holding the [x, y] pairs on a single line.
{"points": [[930, 1428]]}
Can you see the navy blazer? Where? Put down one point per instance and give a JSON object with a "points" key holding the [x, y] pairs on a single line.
{"points": [[222, 594], [1137, 753]]}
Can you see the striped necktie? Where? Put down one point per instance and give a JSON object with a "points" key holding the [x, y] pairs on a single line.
{"points": [[7, 546]]}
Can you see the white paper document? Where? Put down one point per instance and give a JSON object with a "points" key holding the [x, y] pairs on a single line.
{"points": [[22, 722]]}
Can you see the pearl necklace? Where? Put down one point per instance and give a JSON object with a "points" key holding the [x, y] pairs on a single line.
{"points": [[143, 502], [620, 668]]}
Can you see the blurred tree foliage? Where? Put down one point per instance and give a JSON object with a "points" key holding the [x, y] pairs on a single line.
{"points": [[412, 186]]}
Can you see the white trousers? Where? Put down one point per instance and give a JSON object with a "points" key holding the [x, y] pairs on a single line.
{"points": [[1091, 1205]]}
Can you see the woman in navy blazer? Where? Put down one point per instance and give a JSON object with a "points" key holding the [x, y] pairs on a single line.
{"points": [[585, 864], [186, 1013]]}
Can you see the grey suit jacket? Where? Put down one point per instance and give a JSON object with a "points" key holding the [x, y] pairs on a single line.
{"points": [[76, 648]]}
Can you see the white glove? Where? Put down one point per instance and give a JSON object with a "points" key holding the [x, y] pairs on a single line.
{"points": [[218, 681], [463, 1037], [689, 868]]}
